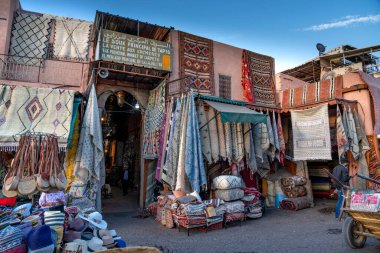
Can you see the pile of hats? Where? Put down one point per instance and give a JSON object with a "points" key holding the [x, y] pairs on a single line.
{"points": [[228, 189], [252, 203]]}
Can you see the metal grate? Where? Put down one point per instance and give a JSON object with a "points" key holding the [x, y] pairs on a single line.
{"points": [[225, 86]]}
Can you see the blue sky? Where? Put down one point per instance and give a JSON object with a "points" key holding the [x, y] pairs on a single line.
{"points": [[284, 29]]}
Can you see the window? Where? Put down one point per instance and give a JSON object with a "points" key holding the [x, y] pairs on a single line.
{"points": [[225, 86]]}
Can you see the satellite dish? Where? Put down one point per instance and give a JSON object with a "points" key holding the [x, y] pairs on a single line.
{"points": [[321, 48], [103, 73]]}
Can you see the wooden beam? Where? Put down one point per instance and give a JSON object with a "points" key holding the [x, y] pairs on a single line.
{"points": [[355, 88]]}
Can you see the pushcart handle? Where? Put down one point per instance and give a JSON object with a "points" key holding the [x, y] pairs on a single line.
{"points": [[368, 179], [336, 179]]}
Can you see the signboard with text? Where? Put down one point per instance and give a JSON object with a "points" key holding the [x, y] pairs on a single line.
{"points": [[134, 50]]}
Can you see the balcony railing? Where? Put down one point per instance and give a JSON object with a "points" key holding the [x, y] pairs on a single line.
{"points": [[44, 71]]}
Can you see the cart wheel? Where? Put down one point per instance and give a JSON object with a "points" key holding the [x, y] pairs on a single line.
{"points": [[353, 240]]}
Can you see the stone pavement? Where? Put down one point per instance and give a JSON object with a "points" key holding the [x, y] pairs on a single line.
{"points": [[304, 231]]}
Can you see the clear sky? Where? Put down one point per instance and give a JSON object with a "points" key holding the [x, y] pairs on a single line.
{"points": [[284, 29]]}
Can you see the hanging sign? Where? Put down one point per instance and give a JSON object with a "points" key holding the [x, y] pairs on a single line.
{"points": [[134, 50]]}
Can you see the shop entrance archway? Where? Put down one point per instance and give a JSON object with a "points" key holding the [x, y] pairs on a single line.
{"points": [[121, 118]]}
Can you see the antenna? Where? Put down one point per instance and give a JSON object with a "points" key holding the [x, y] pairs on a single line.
{"points": [[321, 48]]}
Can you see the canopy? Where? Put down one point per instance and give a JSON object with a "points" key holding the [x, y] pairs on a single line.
{"points": [[237, 114]]}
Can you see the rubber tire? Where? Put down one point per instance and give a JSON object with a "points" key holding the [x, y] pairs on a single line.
{"points": [[354, 241]]}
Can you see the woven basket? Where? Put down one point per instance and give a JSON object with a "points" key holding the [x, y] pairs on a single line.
{"points": [[138, 249]]}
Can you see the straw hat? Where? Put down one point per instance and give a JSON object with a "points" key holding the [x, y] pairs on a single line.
{"points": [[24, 209], [95, 218], [95, 245]]}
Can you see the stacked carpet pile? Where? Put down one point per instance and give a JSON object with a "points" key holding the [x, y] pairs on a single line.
{"points": [[252, 203], [295, 193], [228, 189], [320, 181]]}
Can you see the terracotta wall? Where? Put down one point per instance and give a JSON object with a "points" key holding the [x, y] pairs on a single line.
{"points": [[228, 61], [284, 82], [7, 8]]}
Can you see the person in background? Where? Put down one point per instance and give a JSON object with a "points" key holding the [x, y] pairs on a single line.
{"points": [[125, 182], [341, 173]]}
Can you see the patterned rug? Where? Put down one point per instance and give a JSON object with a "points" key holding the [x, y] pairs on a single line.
{"points": [[196, 63], [71, 38], [314, 92], [23, 109], [311, 134], [261, 69], [29, 41], [153, 121], [373, 164]]}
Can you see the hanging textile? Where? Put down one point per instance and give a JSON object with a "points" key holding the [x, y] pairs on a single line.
{"points": [[150, 182], [181, 184], [194, 165], [373, 164], [196, 62], [71, 153], [261, 69], [71, 38], [168, 140], [240, 142], [234, 140], [30, 38], [246, 80], [353, 137], [275, 136], [252, 164], [221, 137], [228, 136], [163, 138], [77, 103], [281, 141], [360, 130], [260, 137], [311, 134], [205, 133], [272, 148], [170, 167], [153, 121], [342, 140], [90, 158], [36, 110], [211, 118], [246, 132]]}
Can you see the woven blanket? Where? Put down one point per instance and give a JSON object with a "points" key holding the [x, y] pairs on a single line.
{"points": [[221, 137], [194, 209], [153, 121], [311, 134], [205, 133], [261, 69], [228, 138], [231, 217], [246, 80], [213, 134], [234, 207], [352, 135], [229, 195], [293, 181], [71, 38], [196, 63], [29, 41], [341, 136], [41, 110], [163, 139], [374, 88], [294, 192], [295, 204], [321, 186]]}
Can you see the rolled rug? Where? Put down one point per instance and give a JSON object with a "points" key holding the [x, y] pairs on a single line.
{"points": [[295, 204]]}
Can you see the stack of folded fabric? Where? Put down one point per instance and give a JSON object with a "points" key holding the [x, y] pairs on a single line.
{"points": [[214, 213], [320, 181], [295, 192], [252, 203], [191, 215], [228, 189]]}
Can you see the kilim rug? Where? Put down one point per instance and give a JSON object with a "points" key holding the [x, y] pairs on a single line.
{"points": [[153, 121], [25, 109], [373, 164], [196, 63], [71, 38], [261, 69], [374, 88], [311, 134], [29, 39]]}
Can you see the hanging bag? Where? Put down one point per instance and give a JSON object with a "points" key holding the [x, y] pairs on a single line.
{"points": [[51, 165], [42, 179], [60, 179], [12, 177], [27, 184]]}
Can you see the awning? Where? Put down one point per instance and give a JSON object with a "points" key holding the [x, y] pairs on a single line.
{"points": [[237, 114]]}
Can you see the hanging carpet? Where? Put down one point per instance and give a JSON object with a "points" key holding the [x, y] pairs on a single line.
{"points": [[30, 38], [373, 164], [37, 110], [205, 133], [153, 122], [211, 118], [311, 134], [341, 136], [261, 69], [71, 38], [196, 63]]}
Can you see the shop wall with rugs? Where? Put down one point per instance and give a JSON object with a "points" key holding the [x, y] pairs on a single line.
{"points": [[52, 172]]}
